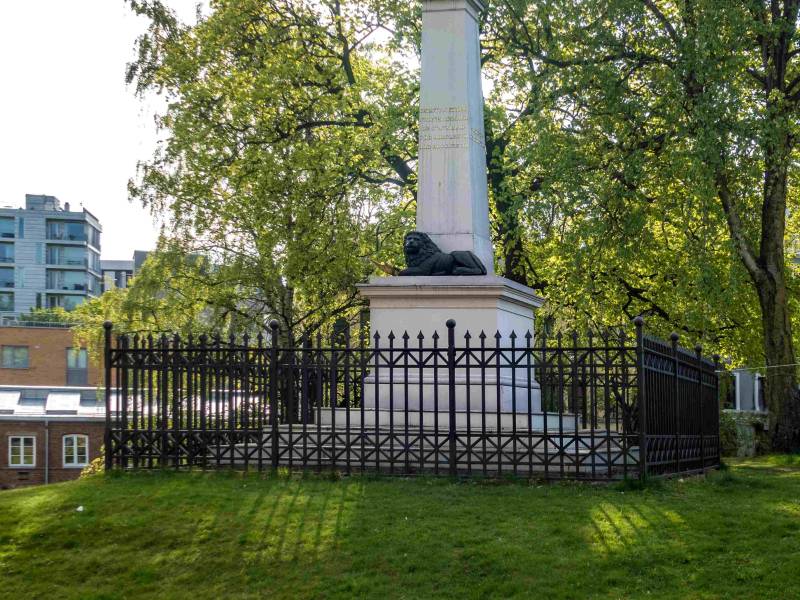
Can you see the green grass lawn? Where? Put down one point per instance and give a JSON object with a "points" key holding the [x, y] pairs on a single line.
{"points": [[735, 534]]}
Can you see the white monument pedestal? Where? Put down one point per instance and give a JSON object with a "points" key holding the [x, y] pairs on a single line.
{"points": [[453, 209], [483, 304]]}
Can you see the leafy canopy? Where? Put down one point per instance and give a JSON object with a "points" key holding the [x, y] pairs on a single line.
{"points": [[291, 148]]}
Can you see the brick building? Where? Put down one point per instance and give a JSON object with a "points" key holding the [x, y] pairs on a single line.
{"points": [[43, 354], [49, 256], [52, 415], [48, 434]]}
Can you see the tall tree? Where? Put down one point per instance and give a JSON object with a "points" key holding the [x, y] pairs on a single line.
{"points": [[685, 110], [640, 155], [288, 149]]}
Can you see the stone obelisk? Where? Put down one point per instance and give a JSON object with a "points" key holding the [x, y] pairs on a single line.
{"points": [[453, 209], [452, 199]]}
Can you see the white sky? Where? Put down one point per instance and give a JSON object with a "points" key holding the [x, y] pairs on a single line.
{"points": [[69, 126]]}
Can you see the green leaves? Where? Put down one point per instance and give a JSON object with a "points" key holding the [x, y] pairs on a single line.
{"points": [[290, 151], [630, 115]]}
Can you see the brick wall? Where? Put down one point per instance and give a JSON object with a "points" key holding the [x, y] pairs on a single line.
{"points": [[21, 476], [47, 351]]}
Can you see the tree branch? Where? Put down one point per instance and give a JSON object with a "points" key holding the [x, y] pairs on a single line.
{"points": [[663, 19], [742, 244]]}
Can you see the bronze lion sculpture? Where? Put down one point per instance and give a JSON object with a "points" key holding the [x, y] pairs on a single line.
{"points": [[423, 257]]}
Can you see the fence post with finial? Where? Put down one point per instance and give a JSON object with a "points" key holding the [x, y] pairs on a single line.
{"points": [[273, 390], [122, 401], [642, 396], [698, 350], [676, 408], [715, 411], [107, 327], [451, 394]]}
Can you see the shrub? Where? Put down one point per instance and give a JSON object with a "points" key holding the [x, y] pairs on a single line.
{"points": [[98, 465], [743, 433]]}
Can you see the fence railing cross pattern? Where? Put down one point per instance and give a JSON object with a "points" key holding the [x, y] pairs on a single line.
{"points": [[598, 406]]}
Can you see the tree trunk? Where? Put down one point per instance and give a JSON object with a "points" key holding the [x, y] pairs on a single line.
{"points": [[508, 215], [509, 228], [781, 379], [768, 273], [780, 392]]}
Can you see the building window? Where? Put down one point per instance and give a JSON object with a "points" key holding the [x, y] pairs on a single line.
{"points": [[6, 302], [74, 231], [77, 366], [66, 280], [65, 302], [94, 285], [76, 358], [21, 228], [73, 256], [94, 237], [94, 261], [6, 253], [6, 228], [76, 450], [6, 277], [14, 357], [22, 451]]}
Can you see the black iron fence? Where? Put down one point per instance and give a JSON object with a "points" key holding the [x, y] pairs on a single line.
{"points": [[594, 406], [680, 408]]}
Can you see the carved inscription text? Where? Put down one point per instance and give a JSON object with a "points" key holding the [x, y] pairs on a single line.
{"points": [[446, 128]]}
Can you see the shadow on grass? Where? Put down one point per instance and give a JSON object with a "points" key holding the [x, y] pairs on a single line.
{"points": [[210, 535]]}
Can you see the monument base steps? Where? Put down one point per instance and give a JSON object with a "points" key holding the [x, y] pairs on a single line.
{"points": [[588, 454], [465, 420]]}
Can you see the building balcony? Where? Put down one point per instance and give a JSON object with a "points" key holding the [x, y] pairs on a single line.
{"points": [[67, 237], [64, 299], [68, 264], [67, 288], [68, 243], [72, 263]]}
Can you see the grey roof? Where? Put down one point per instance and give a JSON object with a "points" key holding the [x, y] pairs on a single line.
{"points": [[36, 402], [116, 265], [62, 402], [8, 401], [33, 403]]}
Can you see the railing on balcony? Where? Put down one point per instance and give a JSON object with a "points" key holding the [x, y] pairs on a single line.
{"points": [[53, 259], [67, 237]]}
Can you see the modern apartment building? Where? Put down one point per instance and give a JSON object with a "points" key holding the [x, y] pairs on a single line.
{"points": [[49, 256], [117, 273]]}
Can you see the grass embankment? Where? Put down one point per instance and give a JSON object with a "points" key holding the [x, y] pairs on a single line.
{"points": [[735, 534]]}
